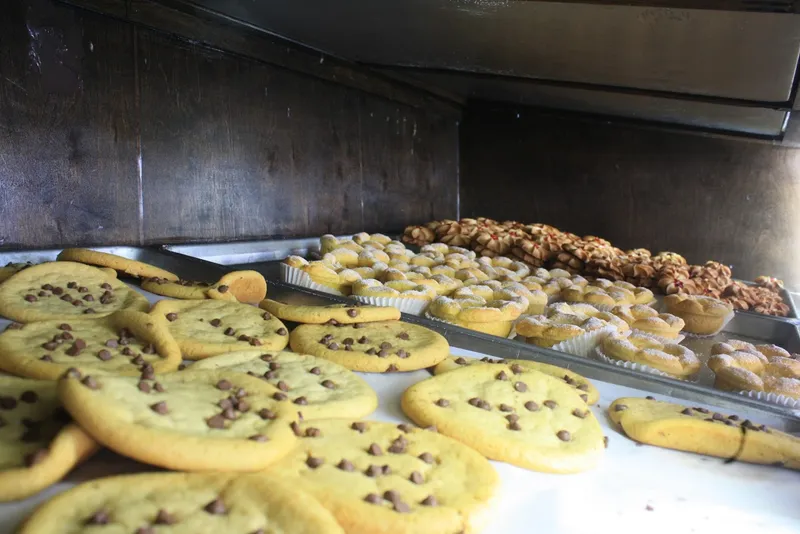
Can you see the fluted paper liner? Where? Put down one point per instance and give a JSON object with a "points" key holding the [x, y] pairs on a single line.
{"points": [[298, 277], [599, 354], [410, 306], [773, 398]]}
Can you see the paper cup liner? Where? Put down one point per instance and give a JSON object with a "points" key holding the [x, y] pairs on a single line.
{"points": [[298, 277], [584, 344], [721, 328], [674, 341], [599, 354], [773, 398], [410, 306]]}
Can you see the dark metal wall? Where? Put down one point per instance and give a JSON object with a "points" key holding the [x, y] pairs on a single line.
{"points": [[111, 132], [708, 198]]}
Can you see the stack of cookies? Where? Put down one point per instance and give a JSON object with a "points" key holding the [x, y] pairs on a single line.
{"points": [[541, 245]]}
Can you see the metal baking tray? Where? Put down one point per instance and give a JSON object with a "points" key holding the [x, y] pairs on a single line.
{"points": [[182, 266], [772, 414], [787, 298]]}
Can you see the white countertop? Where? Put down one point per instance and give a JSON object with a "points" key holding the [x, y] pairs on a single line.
{"points": [[636, 489]]}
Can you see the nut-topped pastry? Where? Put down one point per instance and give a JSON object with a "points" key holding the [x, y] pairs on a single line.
{"points": [[702, 315], [742, 366]]}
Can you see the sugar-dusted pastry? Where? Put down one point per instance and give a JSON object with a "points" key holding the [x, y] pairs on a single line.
{"points": [[612, 296], [641, 295], [741, 366], [648, 320], [329, 243], [670, 358], [702, 315], [404, 289], [548, 331], [494, 316]]}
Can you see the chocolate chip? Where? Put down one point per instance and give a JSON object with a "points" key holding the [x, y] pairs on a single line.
{"points": [[333, 346], [264, 413], [224, 385], [58, 290], [584, 398], [563, 435], [138, 360], [375, 450], [701, 410], [164, 518], [372, 498], [72, 285], [371, 351], [584, 387], [514, 426], [295, 426], [229, 331], [46, 358], [718, 417], [620, 407], [229, 414], [363, 340], [374, 471], [403, 335], [274, 365], [302, 401], [216, 421], [650, 397], [405, 427], [269, 375], [430, 500], [35, 457], [147, 372], [266, 357], [261, 438], [66, 298], [50, 345], [346, 465], [112, 343], [475, 401], [401, 507], [88, 298], [352, 312], [506, 408], [386, 345], [267, 316], [72, 373], [461, 361], [359, 427], [223, 288], [105, 285], [531, 406], [426, 457], [687, 411], [90, 383], [244, 406], [100, 517], [328, 384], [484, 405], [733, 417], [312, 432], [31, 298], [442, 403], [516, 368], [65, 327], [158, 387], [605, 441], [143, 386], [383, 353], [283, 386], [216, 507], [149, 349], [104, 355], [313, 463], [348, 341], [160, 407], [521, 387], [392, 369], [243, 338], [77, 303], [398, 446], [29, 397], [581, 414], [172, 316], [281, 331]]}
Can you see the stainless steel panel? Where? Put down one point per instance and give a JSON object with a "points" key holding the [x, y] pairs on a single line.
{"points": [[738, 55], [503, 348], [184, 267], [726, 117]]}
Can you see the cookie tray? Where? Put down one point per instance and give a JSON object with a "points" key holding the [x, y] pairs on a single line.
{"points": [[462, 338], [787, 298]]}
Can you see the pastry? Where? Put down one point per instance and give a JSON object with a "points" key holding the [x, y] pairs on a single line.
{"points": [[399, 289], [65, 290], [200, 503], [192, 421], [670, 358], [38, 443], [372, 347], [393, 479], [536, 298], [586, 311], [364, 238], [329, 243], [124, 343], [584, 388], [134, 268], [340, 313], [641, 295], [701, 315], [563, 322], [515, 415], [594, 295], [318, 387], [418, 235], [493, 317], [246, 286], [345, 257], [205, 328], [741, 366], [443, 285], [701, 431], [648, 320]]}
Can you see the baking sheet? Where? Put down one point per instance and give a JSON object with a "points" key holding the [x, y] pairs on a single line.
{"points": [[635, 488]]}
